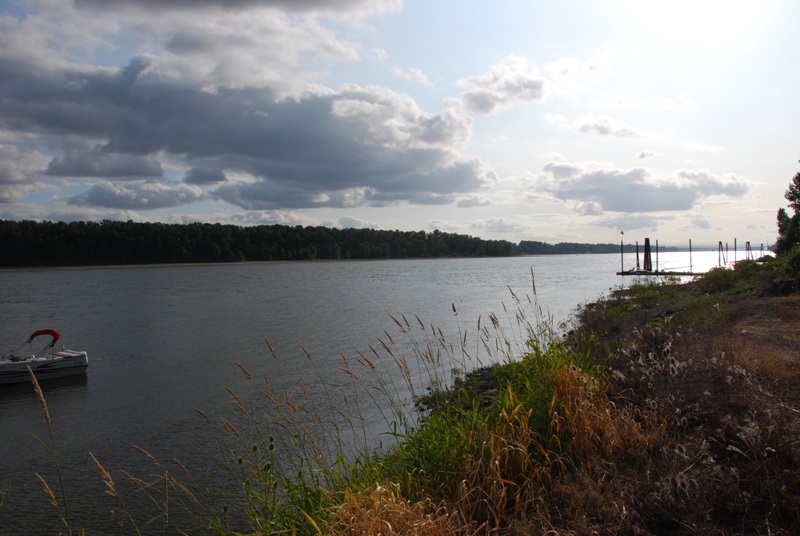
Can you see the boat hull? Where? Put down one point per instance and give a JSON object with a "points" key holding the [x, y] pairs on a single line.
{"points": [[56, 365]]}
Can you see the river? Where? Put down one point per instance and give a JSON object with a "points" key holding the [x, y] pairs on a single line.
{"points": [[166, 341]]}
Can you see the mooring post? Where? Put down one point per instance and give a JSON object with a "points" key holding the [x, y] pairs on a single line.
{"points": [[621, 250], [648, 263], [690, 257]]}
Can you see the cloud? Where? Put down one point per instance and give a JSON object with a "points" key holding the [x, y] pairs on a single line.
{"points": [[445, 226], [247, 218], [568, 74], [299, 6], [379, 54], [590, 208], [606, 126], [414, 75], [563, 170], [499, 225], [96, 163], [238, 44], [699, 221], [596, 125], [593, 191], [707, 183], [349, 222], [634, 222], [19, 167], [646, 154], [473, 201], [204, 175], [358, 145], [147, 196], [509, 82]]}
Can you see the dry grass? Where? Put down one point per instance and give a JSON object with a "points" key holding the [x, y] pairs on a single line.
{"points": [[727, 460], [383, 510]]}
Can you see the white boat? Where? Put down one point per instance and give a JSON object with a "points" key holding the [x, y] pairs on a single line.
{"points": [[47, 364]]}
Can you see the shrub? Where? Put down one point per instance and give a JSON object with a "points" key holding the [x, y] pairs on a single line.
{"points": [[790, 263], [716, 280]]}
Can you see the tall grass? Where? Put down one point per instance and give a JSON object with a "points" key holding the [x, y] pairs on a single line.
{"points": [[478, 431]]}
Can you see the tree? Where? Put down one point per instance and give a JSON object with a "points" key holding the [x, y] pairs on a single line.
{"points": [[789, 228], [793, 194]]}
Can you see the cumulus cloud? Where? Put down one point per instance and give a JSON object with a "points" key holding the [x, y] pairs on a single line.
{"points": [[699, 221], [708, 183], [301, 6], [596, 125], [147, 196], [204, 175], [445, 226], [97, 163], [509, 82], [563, 170], [473, 201], [358, 145], [594, 191], [499, 225], [634, 222], [414, 75], [349, 222], [606, 126], [236, 44], [19, 167], [250, 217]]}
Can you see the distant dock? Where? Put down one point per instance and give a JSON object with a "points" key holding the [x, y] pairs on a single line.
{"points": [[647, 268], [654, 272]]}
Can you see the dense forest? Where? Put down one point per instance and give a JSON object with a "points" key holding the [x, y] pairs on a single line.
{"points": [[532, 247], [29, 243]]}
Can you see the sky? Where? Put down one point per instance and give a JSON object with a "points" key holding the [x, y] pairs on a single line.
{"points": [[568, 121]]}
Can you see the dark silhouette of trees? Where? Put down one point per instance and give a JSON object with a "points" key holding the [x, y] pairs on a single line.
{"points": [[789, 227], [29, 243], [527, 247]]}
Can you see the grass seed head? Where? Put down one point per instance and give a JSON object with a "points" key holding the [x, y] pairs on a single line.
{"points": [[39, 396]]}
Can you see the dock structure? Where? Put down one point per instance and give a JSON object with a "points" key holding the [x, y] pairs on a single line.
{"points": [[647, 268], [653, 272]]}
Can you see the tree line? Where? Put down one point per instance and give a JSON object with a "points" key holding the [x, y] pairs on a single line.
{"points": [[31, 243], [533, 247], [84, 243]]}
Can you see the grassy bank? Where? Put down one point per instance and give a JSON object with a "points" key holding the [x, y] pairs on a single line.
{"points": [[667, 409]]}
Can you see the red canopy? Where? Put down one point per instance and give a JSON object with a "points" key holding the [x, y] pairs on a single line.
{"points": [[53, 333]]}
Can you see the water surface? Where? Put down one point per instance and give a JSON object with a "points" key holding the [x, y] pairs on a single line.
{"points": [[164, 341]]}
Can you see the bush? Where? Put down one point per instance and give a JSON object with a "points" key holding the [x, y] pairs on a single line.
{"points": [[717, 280], [790, 263]]}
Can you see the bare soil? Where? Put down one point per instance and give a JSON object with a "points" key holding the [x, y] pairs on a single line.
{"points": [[767, 332]]}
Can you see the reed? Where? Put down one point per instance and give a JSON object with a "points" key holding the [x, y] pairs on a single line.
{"points": [[51, 450]]}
